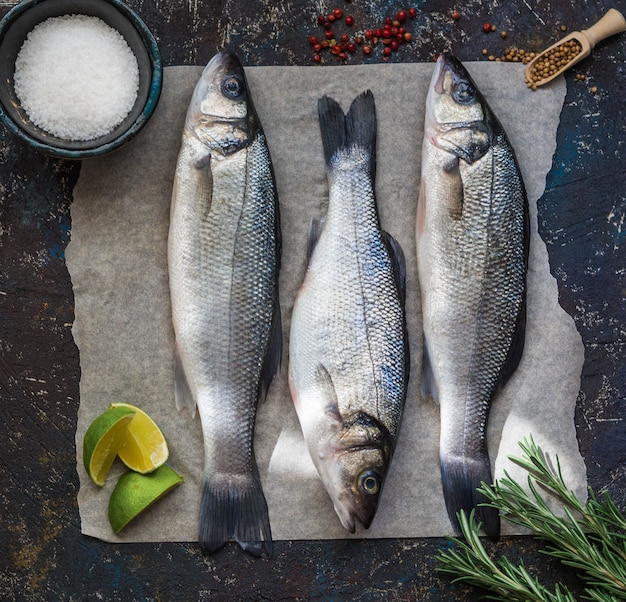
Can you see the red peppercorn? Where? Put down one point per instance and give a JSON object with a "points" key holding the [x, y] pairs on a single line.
{"points": [[386, 33], [378, 33], [387, 51], [351, 47], [317, 58], [313, 40], [317, 48], [401, 16], [388, 21], [338, 13], [412, 12], [321, 19], [367, 49], [456, 15], [408, 36], [358, 40], [487, 27], [342, 56], [329, 35], [349, 20], [369, 34], [331, 18], [394, 45], [345, 37]]}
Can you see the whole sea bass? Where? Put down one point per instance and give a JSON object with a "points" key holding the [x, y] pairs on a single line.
{"points": [[224, 256], [472, 248], [348, 366]]}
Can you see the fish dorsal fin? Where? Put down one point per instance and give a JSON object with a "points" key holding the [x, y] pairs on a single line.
{"points": [[315, 230], [398, 263], [428, 384], [182, 390], [275, 351], [517, 347]]}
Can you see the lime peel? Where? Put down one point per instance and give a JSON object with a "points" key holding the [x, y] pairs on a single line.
{"points": [[102, 440], [134, 493]]}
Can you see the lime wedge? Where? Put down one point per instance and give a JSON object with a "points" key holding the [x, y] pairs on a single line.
{"points": [[102, 440], [134, 493], [144, 448]]}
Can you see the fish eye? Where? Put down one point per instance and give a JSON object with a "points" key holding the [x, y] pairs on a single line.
{"points": [[464, 93], [232, 87], [369, 482]]}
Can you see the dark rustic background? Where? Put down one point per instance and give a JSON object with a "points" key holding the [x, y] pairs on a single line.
{"points": [[43, 555]]}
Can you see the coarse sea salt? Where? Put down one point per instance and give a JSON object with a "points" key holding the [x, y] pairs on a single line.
{"points": [[76, 77]]}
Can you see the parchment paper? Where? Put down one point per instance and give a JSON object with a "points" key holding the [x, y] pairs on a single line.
{"points": [[118, 263]]}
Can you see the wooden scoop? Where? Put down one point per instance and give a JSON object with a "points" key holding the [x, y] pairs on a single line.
{"points": [[613, 22]]}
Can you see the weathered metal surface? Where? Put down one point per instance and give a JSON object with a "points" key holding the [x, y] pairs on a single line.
{"points": [[581, 214]]}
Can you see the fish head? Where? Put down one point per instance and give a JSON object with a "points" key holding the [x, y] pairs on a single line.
{"points": [[352, 462], [221, 114], [458, 119]]}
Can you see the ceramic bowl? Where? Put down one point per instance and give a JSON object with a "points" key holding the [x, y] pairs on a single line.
{"points": [[14, 28]]}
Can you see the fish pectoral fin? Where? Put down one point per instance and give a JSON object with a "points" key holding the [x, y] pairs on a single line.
{"points": [[328, 393], [275, 351], [315, 230], [182, 391], [452, 183], [428, 384]]}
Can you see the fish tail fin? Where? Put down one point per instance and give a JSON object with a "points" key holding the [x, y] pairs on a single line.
{"points": [[234, 509], [461, 477], [357, 128]]}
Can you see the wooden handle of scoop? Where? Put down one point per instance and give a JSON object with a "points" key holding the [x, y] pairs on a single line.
{"points": [[613, 22]]}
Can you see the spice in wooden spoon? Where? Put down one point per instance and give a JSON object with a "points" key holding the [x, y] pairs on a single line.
{"points": [[571, 49]]}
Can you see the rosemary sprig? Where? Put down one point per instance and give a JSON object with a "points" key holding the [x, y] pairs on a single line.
{"points": [[590, 537]]}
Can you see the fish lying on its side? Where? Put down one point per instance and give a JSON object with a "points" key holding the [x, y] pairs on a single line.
{"points": [[224, 255], [348, 366], [472, 247]]}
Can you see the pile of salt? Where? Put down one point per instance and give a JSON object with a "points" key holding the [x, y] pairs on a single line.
{"points": [[76, 77]]}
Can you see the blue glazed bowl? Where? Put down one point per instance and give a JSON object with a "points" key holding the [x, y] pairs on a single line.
{"points": [[14, 28]]}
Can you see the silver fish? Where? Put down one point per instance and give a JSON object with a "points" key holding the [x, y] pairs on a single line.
{"points": [[472, 247], [224, 256], [348, 366]]}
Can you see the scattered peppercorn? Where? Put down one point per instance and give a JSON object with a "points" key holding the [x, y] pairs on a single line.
{"points": [[487, 27], [456, 15], [594, 90], [391, 33], [503, 34]]}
